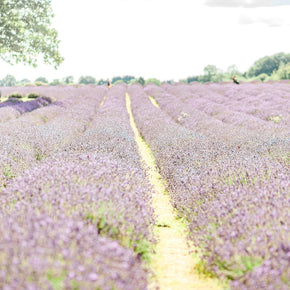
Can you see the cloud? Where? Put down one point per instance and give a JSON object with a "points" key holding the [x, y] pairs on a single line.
{"points": [[272, 22], [246, 19], [246, 3]]}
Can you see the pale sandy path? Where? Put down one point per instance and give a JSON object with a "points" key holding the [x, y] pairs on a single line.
{"points": [[173, 264], [103, 101]]}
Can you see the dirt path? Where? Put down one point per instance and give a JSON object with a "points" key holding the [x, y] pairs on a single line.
{"points": [[172, 263], [154, 102], [103, 101]]}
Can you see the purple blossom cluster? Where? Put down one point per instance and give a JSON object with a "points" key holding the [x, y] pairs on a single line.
{"points": [[41, 132], [13, 109], [75, 201], [228, 177], [54, 215]]}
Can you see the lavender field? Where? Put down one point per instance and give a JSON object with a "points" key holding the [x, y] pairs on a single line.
{"points": [[76, 200]]}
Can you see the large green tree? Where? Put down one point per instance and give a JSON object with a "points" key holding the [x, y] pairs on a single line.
{"points": [[9, 81], [68, 80], [26, 32], [233, 70], [268, 64], [284, 71], [87, 80]]}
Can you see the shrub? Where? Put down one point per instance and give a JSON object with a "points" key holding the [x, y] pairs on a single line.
{"points": [[119, 82], [38, 83], [284, 72], [55, 82], [154, 81], [262, 77], [15, 95], [33, 95]]}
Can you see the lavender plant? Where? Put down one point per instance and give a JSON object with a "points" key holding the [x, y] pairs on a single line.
{"points": [[233, 192], [80, 217], [41, 132], [75, 200]]}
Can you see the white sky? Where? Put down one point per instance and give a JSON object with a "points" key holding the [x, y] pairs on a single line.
{"points": [[164, 39]]}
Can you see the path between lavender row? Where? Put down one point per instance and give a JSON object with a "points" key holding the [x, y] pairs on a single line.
{"points": [[172, 261]]}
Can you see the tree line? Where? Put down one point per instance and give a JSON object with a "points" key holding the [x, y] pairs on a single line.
{"points": [[275, 67], [10, 81]]}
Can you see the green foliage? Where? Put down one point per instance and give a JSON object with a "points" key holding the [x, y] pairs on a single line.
{"points": [[8, 172], [210, 70], [143, 249], [33, 95], [55, 82], [262, 77], [141, 81], [30, 85], [127, 79], [268, 64], [204, 78], [9, 80], [284, 71], [202, 269], [134, 81], [240, 267], [154, 81], [171, 82], [191, 79], [41, 79], [26, 32], [119, 82], [25, 81], [115, 79], [276, 119], [101, 82], [15, 95], [124, 79], [217, 78], [233, 70], [68, 80], [56, 279], [38, 84], [87, 80], [101, 218]]}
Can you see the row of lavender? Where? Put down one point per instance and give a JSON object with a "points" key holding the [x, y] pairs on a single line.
{"points": [[79, 217], [261, 101], [14, 108], [252, 117], [223, 177], [39, 133]]}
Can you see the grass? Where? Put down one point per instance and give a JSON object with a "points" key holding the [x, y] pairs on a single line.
{"points": [[56, 279], [125, 235], [8, 172]]}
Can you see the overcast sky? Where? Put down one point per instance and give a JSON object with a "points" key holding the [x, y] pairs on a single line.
{"points": [[164, 39]]}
